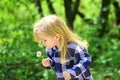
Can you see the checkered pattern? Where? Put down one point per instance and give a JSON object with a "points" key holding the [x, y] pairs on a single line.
{"points": [[77, 65]]}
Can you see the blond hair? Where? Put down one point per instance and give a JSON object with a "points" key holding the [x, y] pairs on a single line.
{"points": [[52, 25]]}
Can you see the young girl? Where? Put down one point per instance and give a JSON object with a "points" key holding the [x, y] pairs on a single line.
{"points": [[67, 54]]}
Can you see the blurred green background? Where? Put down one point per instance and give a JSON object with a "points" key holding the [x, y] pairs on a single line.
{"points": [[97, 21]]}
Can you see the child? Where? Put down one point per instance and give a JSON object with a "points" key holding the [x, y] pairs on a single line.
{"points": [[67, 54]]}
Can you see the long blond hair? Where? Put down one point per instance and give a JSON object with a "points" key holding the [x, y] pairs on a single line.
{"points": [[52, 25]]}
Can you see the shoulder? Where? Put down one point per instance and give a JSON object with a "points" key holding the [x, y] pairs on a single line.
{"points": [[73, 46]]}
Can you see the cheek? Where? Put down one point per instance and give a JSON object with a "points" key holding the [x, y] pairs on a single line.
{"points": [[52, 43]]}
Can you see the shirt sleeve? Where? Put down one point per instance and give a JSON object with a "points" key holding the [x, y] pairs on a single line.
{"points": [[49, 55], [82, 57]]}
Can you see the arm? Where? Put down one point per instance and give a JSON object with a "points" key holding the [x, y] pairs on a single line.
{"points": [[83, 62], [48, 63]]}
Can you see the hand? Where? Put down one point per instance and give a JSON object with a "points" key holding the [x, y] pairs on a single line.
{"points": [[67, 75], [46, 62]]}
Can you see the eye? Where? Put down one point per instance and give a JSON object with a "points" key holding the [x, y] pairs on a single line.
{"points": [[44, 40]]}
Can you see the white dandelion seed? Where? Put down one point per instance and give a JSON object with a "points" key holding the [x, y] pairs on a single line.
{"points": [[39, 53]]}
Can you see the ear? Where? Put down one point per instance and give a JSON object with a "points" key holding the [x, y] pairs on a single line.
{"points": [[57, 37]]}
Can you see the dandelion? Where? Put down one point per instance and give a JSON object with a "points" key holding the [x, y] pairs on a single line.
{"points": [[39, 53]]}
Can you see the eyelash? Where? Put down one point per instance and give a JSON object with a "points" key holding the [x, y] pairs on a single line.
{"points": [[44, 40]]}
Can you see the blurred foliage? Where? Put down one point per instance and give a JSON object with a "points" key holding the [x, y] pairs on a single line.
{"points": [[18, 59]]}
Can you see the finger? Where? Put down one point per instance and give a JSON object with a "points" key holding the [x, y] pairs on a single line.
{"points": [[44, 62], [47, 62], [67, 75]]}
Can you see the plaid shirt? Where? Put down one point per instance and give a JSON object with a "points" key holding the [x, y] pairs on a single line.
{"points": [[78, 65]]}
